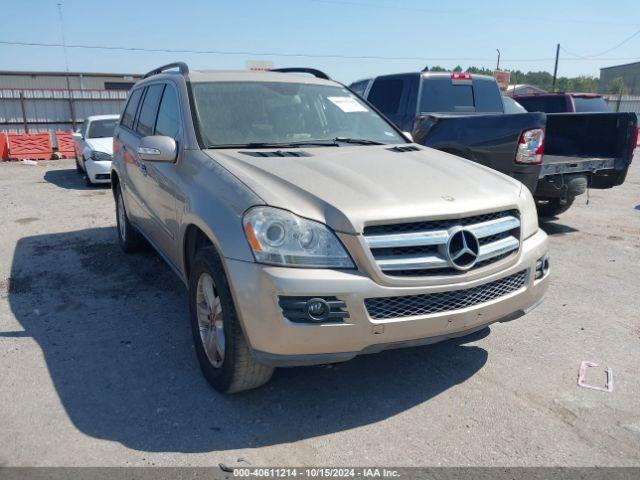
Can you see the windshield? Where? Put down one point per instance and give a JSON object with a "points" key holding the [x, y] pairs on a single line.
{"points": [[441, 95], [102, 128], [253, 113], [511, 106], [590, 104], [551, 104]]}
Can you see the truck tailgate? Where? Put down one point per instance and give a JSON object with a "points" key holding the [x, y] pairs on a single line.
{"points": [[600, 143]]}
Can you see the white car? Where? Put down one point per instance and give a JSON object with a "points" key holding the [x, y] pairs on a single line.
{"points": [[94, 148]]}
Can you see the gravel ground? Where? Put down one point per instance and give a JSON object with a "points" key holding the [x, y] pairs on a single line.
{"points": [[97, 366]]}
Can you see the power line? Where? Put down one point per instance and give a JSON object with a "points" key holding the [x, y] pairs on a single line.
{"points": [[474, 14], [289, 54], [589, 57]]}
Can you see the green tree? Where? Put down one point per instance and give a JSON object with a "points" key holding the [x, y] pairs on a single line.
{"points": [[540, 79], [617, 86]]}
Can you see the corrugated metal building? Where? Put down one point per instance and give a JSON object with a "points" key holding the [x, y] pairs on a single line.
{"points": [[630, 74], [43, 101]]}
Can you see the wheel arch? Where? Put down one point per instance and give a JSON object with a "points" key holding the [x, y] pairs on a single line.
{"points": [[194, 238], [115, 182]]}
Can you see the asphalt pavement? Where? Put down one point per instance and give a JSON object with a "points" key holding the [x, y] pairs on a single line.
{"points": [[97, 366]]}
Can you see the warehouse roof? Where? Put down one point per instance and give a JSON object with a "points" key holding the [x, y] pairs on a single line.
{"points": [[623, 65], [62, 74]]}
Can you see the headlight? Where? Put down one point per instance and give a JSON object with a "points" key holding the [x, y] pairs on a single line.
{"points": [[528, 213], [100, 157], [279, 237]]}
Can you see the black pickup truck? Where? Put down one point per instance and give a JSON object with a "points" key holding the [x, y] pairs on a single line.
{"points": [[464, 114], [585, 145]]}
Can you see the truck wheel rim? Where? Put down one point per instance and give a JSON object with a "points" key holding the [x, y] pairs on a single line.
{"points": [[210, 320], [121, 218]]}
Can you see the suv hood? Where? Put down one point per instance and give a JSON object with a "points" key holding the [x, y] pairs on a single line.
{"points": [[350, 187], [101, 144]]}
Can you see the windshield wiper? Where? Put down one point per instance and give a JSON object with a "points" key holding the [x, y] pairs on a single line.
{"points": [[359, 141]]}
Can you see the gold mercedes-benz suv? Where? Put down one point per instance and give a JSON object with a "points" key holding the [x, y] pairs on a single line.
{"points": [[307, 228]]}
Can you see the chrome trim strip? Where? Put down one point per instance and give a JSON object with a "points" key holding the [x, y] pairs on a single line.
{"points": [[394, 262], [498, 247], [493, 227], [424, 262], [413, 239]]}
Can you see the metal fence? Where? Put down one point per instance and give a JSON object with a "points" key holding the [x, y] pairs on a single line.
{"points": [[49, 110], [623, 103]]}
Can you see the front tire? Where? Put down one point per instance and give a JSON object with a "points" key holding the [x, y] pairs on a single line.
{"points": [[221, 347], [129, 238]]}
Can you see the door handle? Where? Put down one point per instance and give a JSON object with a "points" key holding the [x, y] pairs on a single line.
{"points": [[143, 169]]}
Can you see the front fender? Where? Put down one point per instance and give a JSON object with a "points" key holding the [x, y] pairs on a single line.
{"points": [[215, 203]]}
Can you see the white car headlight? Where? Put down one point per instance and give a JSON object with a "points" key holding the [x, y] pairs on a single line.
{"points": [[100, 156], [528, 213], [279, 237]]}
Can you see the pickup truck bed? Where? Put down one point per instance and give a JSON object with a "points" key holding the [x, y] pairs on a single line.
{"points": [[599, 145]]}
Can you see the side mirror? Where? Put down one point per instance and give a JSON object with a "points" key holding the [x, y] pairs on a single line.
{"points": [[76, 134], [158, 148], [408, 136]]}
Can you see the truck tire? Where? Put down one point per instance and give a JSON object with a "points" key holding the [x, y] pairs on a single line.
{"points": [[221, 347], [129, 238], [552, 207]]}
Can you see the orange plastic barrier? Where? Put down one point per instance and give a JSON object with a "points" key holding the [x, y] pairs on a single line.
{"points": [[4, 151], [66, 147], [34, 146]]}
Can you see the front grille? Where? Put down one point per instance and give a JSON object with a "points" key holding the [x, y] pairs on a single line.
{"points": [[420, 248], [418, 305], [435, 224]]}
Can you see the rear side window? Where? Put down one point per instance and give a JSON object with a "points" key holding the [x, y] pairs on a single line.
{"points": [[440, 94], [149, 110], [487, 97], [386, 94], [130, 111], [590, 104], [359, 87], [168, 122], [557, 104]]}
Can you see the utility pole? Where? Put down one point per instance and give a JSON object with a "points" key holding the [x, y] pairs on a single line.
{"points": [[498, 64], [555, 69], [66, 69]]}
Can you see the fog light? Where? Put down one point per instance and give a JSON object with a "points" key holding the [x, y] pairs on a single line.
{"points": [[317, 309], [542, 267]]}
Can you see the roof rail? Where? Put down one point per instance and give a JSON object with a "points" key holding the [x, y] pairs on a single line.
{"points": [[184, 70], [311, 71]]}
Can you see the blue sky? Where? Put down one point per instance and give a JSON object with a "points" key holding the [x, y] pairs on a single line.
{"points": [[445, 33]]}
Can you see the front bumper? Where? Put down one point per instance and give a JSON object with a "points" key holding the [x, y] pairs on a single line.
{"points": [[277, 341], [98, 172]]}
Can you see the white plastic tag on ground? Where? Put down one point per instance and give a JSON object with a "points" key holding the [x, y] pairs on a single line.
{"points": [[29, 162]]}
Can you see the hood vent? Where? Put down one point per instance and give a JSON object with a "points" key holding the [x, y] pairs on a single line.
{"points": [[278, 153], [404, 148]]}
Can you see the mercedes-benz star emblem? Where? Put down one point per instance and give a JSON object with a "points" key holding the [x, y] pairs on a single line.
{"points": [[462, 249]]}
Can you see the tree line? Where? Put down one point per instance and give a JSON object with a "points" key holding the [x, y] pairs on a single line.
{"points": [[543, 80]]}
